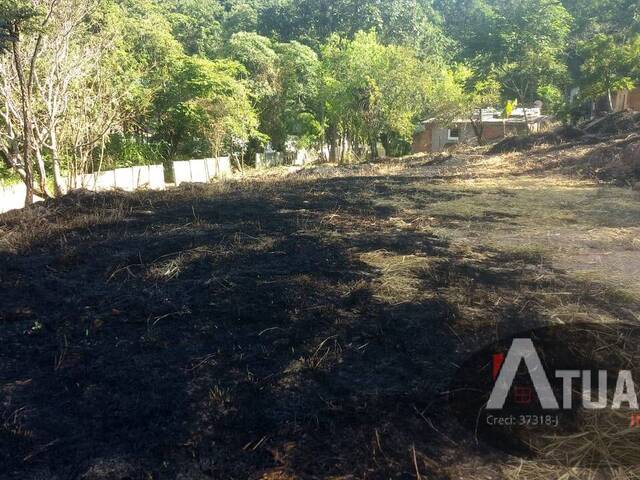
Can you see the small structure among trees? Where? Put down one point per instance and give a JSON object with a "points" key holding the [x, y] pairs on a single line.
{"points": [[484, 126]]}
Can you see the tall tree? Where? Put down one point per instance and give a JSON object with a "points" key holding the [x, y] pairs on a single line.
{"points": [[608, 66], [412, 23], [66, 84], [20, 18], [207, 107], [521, 42], [198, 26], [369, 90]]}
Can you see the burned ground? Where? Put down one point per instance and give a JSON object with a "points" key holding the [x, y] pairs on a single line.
{"points": [[296, 327]]}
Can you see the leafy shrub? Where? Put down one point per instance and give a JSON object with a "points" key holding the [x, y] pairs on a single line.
{"points": [[123, 151]]}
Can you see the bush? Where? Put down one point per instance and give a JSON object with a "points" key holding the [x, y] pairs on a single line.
{"points": [[123, 151], [7, 176]]}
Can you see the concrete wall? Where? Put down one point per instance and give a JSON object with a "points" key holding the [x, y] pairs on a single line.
{"points": [[128, 179], [224, 167], [201, 171], [270, 159], [149, 177], [12, 197], [276, 159]]}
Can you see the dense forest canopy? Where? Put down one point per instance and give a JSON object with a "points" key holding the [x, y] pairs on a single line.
{"points": [[87, 84]]}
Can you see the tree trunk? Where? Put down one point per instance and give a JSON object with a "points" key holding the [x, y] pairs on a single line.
{"points": [[42, 173], [526, 120], [610, 98], [26, 124], [386, 143], [333, 145], [478, 128], [58, 181]]}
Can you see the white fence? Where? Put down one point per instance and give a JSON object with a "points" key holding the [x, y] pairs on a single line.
{"points": [[128, 179], [149, 177], [201, 171], [12, 197], [276, 159]]}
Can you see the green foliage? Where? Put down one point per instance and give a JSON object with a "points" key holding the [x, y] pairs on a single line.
{"points": [[198, 26], [189, 78], [463, 94], [509, 107], [7, 176], [609, 17], [146, 56], [240, 17], [369, 89], [608, 66], [307, 130], [207, 102], [12, 13], [521, 42], [283, 80], [552, 98], [125, 151], [292, 113], [413, 23], [256, 53]]}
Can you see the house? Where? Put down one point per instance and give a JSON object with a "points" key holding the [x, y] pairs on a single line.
{"points": [[431, 136]]}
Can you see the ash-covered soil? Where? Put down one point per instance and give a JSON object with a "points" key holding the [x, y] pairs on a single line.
{"points": [[281, 328]]}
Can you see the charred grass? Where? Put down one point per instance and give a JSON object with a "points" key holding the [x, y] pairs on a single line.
{"points": [[284, 328]]}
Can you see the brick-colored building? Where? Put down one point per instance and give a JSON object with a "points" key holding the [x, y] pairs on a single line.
{"points": [[431, 136]]}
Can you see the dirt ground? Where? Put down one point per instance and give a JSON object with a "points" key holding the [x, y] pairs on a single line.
{"points": [[297, 325]]}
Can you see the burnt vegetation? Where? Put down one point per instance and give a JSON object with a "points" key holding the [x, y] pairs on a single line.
{"points": [[304, 327]]}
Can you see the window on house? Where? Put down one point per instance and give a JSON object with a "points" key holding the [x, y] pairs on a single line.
{"points": [[453, 134]]}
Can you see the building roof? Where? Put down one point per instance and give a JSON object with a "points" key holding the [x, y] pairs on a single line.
{"points": [[492, 115]]}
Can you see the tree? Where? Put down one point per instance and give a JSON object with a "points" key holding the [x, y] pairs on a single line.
{"points": [[22, 17], [296, 106], [522, 43], [12, 14], [240, 16], [283, 81], [412, 23], [68, 81], [198, 26], [608, 67], [207, 102], [256, 53], [370, 91], [609, 17], [459, 94]]}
